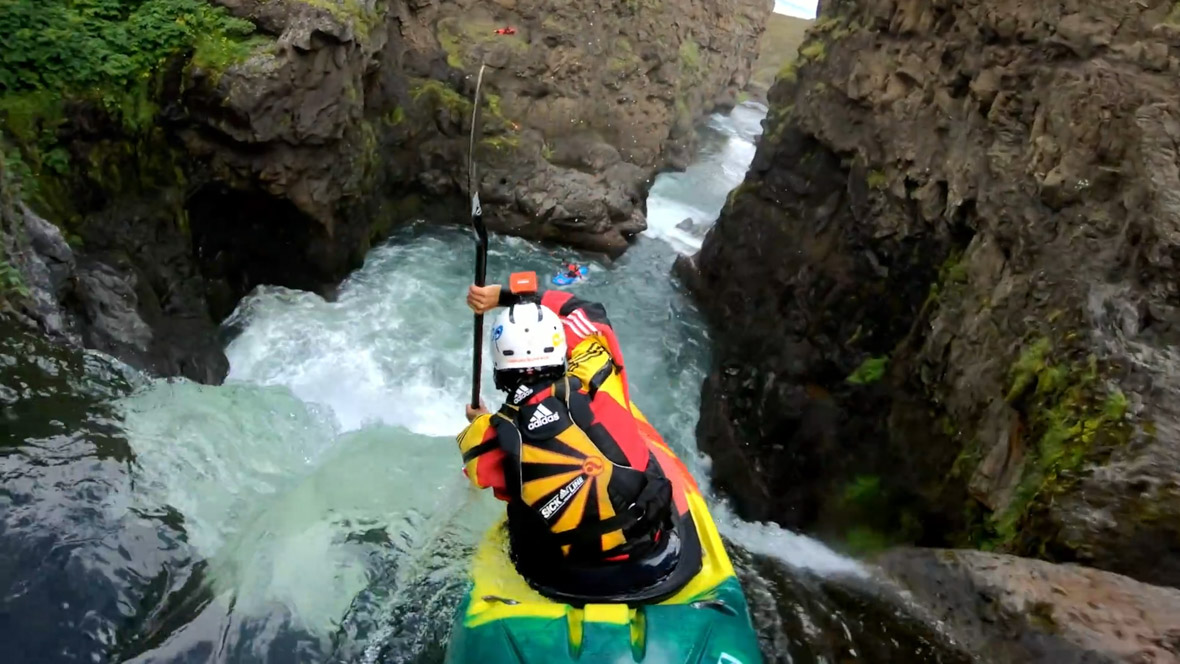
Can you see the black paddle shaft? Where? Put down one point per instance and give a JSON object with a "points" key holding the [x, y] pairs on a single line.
{"points": [[481, 274], [481, 243]]}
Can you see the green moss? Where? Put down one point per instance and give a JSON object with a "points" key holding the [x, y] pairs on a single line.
{"points": [[349, 12], [814, 51], [216, 53], [690, 56], [1173, 16], [107, 57], [951, 277], [878, 180], [436, 95], [789, 72], [1070, 417], [969, 455], [863, 490], [778, 120], [826, 24], [870, 371], [439, 96], [501, 143], [623, 58], [865, 541], [956, 273], [731, 198], [1028, 368], [495, 109], [452, 45], [1115, 407], [395, 117], [683, 114], [11, 170]]}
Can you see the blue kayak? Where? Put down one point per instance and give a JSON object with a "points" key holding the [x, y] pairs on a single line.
{"points": [[564, 279]]}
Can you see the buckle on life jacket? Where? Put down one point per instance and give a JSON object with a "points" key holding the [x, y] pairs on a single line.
{"points": [[637, 512]]}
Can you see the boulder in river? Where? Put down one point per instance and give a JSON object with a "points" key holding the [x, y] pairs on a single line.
{"points": [[1010, 609], [944, 299]]}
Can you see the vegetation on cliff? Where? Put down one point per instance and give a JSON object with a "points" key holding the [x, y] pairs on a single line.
{"points": [[103, 60]]}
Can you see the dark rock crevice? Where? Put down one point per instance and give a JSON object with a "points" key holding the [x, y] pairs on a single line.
{"points": [[242, 239]]}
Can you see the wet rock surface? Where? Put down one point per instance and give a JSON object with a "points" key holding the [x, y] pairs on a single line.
{"points": [[1011, 609], [944, 297], [136, 299], [806, 618]]}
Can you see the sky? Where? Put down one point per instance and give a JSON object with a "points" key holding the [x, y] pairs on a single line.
{"points": [[801, 8]]}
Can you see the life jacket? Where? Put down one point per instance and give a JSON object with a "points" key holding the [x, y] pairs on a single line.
{"points": [[574, 497]]}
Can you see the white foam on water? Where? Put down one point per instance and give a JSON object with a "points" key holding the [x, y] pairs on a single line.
{"points": [[790, 548], [699, 193]]}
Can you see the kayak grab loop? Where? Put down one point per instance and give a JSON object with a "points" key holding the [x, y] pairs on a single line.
{"points": [[716, 605]]}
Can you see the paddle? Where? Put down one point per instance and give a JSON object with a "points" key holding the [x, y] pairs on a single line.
{"points": [[481, 244]]}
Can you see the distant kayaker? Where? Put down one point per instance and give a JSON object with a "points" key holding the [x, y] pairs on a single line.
{"points": [[589, 508]]}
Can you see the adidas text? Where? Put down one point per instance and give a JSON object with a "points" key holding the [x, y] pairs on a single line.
{"points": [[541, 417], [522, 393]]}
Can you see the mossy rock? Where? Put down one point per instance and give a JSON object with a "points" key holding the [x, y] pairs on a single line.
{"points": [[1074, 418], [354, 13]]}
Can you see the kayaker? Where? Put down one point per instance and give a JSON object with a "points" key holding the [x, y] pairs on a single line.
{"points": [[589, 508], [573, 271]]}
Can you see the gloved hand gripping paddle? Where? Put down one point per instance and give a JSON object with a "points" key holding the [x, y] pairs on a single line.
{"points": [[481, 243]]}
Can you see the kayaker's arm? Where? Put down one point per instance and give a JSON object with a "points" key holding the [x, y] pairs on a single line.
{"points": [[482, 299], [483, 460]]}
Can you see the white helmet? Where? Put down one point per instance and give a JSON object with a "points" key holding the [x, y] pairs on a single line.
{"points": [[527, 336]]}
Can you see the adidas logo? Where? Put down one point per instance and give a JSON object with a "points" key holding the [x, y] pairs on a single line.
{"points": [[557, 502], [541, 417], [522, 393]]}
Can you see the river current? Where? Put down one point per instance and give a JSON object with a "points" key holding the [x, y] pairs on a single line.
{"points": [[312, 508]]}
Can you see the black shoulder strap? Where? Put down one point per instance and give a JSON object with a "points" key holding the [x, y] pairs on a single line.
{"points": [[600, 377], [564, 387]]}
